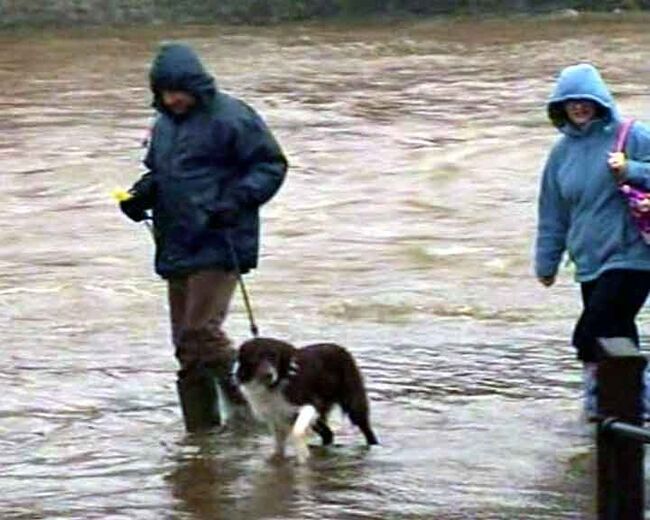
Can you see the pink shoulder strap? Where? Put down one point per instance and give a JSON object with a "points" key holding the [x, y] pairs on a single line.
{"points": [[622, 133]]}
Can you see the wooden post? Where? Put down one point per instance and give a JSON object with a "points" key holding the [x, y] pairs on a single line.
{"points": [[620, 459]]}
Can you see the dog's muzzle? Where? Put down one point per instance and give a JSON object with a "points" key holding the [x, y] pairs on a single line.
{"points": [[267, 374]]}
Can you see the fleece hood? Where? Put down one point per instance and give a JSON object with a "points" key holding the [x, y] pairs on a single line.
{"points": [[581, 81]]}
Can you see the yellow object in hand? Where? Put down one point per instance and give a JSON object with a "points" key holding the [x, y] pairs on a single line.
{"points": [[120, 195]]}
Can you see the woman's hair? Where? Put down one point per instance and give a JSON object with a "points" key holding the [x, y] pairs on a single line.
{"points": [[558, 116]]}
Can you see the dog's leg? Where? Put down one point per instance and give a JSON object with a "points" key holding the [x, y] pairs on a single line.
{"points": [[325, 432], [280, 434], [355, 401], [359, 415], [306, 417], [364, 425]]}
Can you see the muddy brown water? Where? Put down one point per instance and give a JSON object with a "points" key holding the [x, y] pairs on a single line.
{"points": [[404, 231]]}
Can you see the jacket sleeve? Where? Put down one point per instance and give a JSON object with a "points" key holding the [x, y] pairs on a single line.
{"points": [[638, 164], [144, 190], [552, 224], [262, 163]]}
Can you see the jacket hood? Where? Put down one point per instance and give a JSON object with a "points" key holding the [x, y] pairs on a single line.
{"points": [[581, 81], [177, 67]]}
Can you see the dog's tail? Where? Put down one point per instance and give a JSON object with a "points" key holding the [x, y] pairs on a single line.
{"points": [[355, 400]]}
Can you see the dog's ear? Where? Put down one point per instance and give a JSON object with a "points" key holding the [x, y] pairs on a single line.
{"points": [[246, 361], [285, 356]]}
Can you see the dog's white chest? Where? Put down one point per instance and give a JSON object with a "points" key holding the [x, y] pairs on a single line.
{"points": [[269, 405]]}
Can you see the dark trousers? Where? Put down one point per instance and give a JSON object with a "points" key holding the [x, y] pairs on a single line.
{"points": [[611, 304], [198, 305]]}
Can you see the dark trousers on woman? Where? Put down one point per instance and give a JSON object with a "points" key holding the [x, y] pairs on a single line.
{"points": [[198, 305], [611, 304]]}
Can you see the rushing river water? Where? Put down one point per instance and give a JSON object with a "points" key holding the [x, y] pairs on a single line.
{"points": [[404, 231]]}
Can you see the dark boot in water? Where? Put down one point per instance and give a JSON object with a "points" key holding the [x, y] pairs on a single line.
{"points": [[234, 407], [199, 398]]}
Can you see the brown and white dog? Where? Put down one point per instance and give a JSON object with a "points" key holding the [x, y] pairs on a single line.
{"points": [[293, 389]]}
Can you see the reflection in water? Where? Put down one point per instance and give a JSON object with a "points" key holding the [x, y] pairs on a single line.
{"points": [[209, 485], [403, 232]]}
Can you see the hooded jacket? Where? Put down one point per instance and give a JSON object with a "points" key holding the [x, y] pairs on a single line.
{"points": [[221, 151], [580, 207]]}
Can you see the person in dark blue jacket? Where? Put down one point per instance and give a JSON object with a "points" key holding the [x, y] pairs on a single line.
{"points": [[212, 162], [581, 210]]}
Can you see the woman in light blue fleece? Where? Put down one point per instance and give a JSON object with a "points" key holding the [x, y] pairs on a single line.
{"points": [[582, 211]]}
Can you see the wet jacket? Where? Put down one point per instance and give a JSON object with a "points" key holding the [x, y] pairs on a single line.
{"points": [[221, 151], [580, 207]]}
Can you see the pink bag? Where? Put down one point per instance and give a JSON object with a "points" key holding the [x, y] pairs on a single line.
{"points": [[637, 199]]}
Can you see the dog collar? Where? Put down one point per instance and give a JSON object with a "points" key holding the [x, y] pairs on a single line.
{"points": [[292, 372]]}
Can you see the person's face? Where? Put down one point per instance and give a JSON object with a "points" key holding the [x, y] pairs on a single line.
{"points": [[177, 101], [580, 111]]}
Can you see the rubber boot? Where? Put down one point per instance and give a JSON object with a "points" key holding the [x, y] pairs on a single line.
{"points": [[234, 407], [199, 399]]}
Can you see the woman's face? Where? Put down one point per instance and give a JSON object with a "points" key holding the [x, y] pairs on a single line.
{"points": [[178, 101], [580, 111]]}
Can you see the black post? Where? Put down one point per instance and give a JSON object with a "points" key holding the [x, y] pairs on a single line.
{"points": [[620, 458]]}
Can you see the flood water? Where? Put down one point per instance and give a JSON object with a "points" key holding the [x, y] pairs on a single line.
{"points": [[404, 232]]}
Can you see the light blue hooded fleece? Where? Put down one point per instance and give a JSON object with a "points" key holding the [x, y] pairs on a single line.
{"points": [[580, 207]]}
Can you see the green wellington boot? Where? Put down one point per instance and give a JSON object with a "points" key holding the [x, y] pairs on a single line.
{"points": [[199, 398]]}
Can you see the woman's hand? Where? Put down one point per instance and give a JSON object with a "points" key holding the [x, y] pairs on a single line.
{"points": [[546, 281], [617, 162]]}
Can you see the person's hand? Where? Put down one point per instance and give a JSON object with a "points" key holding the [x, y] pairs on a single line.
{"points": [[224, 215], [617, 162], [133, 209], [546, 281]]}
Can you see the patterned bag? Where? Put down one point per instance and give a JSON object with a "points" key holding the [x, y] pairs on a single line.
{"points": [[637, 199]]}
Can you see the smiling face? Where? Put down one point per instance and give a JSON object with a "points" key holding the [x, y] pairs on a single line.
{"points": [[580, 111]]}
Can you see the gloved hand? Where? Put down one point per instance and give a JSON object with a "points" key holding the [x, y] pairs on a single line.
{"points": [[224, 215], [133, 209]]}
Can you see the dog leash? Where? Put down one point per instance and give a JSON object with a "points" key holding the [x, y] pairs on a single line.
{"points": [[242, 286], [121, 195]]}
